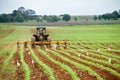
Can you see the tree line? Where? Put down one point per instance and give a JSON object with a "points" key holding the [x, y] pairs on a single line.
{"points": [[19, 15], [22, 15], [53, 18], [108, 16]]}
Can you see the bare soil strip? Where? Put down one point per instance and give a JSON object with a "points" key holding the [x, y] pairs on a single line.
{"points": [[116, 53], [37, 72], [2, 58], [19, 70], [104, 74], [60, 74], [84, 75]]}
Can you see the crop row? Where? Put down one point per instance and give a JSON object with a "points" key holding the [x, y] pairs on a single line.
{"points": [[103, 51], [95, 53], [80, 66], [63, 66], [24, 66], [92, 64], [47, 70], [103, 62], [5, 65]]}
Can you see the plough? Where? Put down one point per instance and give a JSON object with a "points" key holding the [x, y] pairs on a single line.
{"points": [[42, 43]]}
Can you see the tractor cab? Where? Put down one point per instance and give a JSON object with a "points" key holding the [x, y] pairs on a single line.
{"points": [[41, 31], [40, 34]]}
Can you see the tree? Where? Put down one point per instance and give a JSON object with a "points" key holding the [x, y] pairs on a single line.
{"points": [[14, 14], [66, 17], [45, 17], [38, 19], [5, 18], [95, 17], [99, 17], [75, 18], [115, 15], [119, 14], [54, 18], [19, 18]]}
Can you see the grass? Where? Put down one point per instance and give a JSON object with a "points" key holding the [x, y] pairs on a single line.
{"points": [[94, 33]]}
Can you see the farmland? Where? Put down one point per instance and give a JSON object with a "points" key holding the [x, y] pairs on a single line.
{"points": [[93, 54]]}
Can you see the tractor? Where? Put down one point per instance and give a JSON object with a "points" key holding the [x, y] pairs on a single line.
{"points": [[40, 38]]}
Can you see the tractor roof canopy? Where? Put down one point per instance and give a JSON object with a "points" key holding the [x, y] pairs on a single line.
{"points": [[41, 27]]}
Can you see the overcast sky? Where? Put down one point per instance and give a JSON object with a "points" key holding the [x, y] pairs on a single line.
{"points": [[57, 7]]}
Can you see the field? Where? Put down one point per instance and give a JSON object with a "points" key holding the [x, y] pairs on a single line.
{"points": [[93, 54]]}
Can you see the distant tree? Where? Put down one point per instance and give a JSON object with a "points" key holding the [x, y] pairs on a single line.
{"points": [[54, 18], [21, 9], [14, 14], [9, 17], [99, 17], [75, 18], [66, 17], [38, 19], [1, 18], [104, 16], [115, 15], [50, 19], [107, 16], [19, 18], [19, 15], [119, 13], [95, 17], [45, 17], [25, 15], [5, 18], [33, 17]]}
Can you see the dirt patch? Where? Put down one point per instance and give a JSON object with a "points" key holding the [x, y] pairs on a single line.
{"points": [[59, 73]]}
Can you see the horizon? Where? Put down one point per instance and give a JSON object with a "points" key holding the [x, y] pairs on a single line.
{"points": [[53, 7]]}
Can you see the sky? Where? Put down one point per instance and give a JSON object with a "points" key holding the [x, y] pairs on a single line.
{"points": [[58, 7]]}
